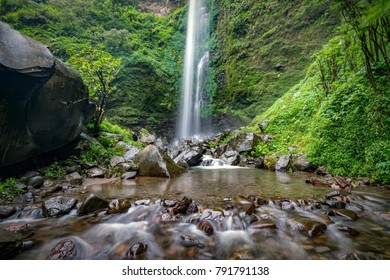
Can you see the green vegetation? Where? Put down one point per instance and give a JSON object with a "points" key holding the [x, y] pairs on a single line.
{"points": [[8, 189], [149, 48], [262, 48], [339, 114], [55, 171]]}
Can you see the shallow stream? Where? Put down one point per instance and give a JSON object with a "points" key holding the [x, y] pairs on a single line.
{"points": [[224, 197]]}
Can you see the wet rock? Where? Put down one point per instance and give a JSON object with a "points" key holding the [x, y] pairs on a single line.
{"points": [[332, 194], [300, 163], [155, 163], [206, 227], [116, 160], [283, 163], [58, 206], [287, 206], [269, 162], [262, 125], [231, 157], [168, 217], [36, 181], [74, 178], [91, 204], [7, 211], [260, 201], [243, 142], [144, 202], [183, 163], [192, 208], [118, 206], [264, 224], [191, 157], [306, 226], [318, 182], [136, 249], [249, 208], [182, 205], [189, 241], [345, 213], [10, 244], [63, 250], [348, 230], [95, 172], [129, 175], [335, 203]]}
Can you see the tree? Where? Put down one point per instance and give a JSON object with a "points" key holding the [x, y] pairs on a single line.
{"points": [[98, 69]]}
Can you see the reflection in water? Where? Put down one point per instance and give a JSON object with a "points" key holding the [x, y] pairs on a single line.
{"points": [[239, 231]]}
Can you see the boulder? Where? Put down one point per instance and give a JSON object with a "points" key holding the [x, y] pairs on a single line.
{"points": [[300, 163], [155, 163], [116, 160], [283, 163], [36, 182], [131, 152], [147, 138], [10, 244], [74, 178], [91, 204], [43, 103], [7, 211], [231, 157], [191, 157], [243, 142], [58, 206], [95, 172], [129, 175]]}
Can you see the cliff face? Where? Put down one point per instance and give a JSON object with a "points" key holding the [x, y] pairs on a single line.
{"points": [[160, 7]]}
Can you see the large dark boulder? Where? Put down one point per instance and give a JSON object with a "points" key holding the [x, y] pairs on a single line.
{"points": [[43, 103], [58, 206], [153, 162]]}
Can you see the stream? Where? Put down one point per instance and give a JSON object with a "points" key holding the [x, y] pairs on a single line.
{"points": [[253, 214]]}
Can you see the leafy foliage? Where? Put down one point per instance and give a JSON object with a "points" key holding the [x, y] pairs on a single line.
{"points": [[8, 189]]}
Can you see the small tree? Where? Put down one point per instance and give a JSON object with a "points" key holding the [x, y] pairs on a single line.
{"points": [[98, 70]]}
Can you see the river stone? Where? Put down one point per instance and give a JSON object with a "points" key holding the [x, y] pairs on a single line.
{"points": [[147, 138], [345, 213], [58, 206], [155, 163], [117, 206], [243, 142], [116, 160], [283, 163], [36, 182], [191, 157], [10, 244], [7, 211], [301, 163], [91, 204], [231, 157], [136, 250], [206, 227], [129, 175], [74, 178], [181, 206], [43, 103], [95, 172], [131, 153], [264, 224], [306, 226], [63, 250]]}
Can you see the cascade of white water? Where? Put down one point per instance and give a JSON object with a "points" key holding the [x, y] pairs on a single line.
{"points": [[195, 68]]}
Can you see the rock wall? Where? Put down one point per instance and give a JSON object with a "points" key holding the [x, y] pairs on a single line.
{"points": [[43, 103]]}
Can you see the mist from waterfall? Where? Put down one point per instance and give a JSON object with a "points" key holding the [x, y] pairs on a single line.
{"points": [[196, 70]]}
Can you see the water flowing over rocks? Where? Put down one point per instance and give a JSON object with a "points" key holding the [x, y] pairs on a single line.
{"points": [[39, 94], [64, 250]]}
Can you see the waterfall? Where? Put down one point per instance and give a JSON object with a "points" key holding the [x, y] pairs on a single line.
{"points": [[193, 100]]}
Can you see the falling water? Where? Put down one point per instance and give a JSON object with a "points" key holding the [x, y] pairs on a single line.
{"points": [[195, 71]]}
